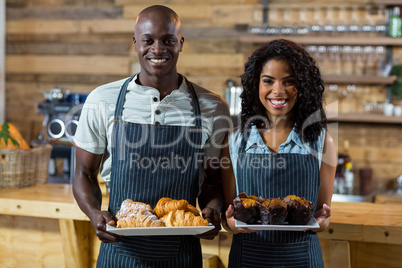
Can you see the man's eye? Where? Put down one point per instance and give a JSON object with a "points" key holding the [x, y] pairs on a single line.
{"points": [[146, 41], [169, 42]]}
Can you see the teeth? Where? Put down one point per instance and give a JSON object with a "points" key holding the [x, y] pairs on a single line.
{"points": [[158, 60], [276, 102]]}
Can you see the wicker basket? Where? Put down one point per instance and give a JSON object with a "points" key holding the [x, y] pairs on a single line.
{"points": [[21, 168]]}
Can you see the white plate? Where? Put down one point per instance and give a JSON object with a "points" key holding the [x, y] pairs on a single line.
{"points": [[179, 230], [312, 224]]}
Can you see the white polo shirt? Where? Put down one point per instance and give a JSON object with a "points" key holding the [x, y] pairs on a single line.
{"points": [[143, 105]]}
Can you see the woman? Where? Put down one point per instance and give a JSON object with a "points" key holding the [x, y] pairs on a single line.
{"points": [[281, 148]]}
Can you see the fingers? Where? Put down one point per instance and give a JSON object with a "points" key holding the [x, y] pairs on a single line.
{"points": [[101, 219], [229, 212], [327, 209]]}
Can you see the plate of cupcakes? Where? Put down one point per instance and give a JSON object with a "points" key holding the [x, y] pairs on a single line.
{"points": [[290, 213]]}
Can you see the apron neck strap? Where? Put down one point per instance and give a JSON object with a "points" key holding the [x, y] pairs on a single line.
{"points": [[123, 91]]}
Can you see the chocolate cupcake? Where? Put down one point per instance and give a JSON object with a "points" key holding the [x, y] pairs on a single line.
{"points": [[246, 209], [300, 210], [273, 211]]}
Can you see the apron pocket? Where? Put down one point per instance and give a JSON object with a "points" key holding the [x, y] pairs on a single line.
{"points": [[260, 254], [152, 248]]}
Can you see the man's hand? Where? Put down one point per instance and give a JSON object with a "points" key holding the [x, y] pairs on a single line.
{"points": [[99, 221], [213, 217]]}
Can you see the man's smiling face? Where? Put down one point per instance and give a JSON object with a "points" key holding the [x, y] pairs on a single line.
{"points": [[158, 43]]}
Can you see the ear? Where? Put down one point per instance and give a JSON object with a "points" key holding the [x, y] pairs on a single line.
{"points": [[134, 42], [181, 43]]}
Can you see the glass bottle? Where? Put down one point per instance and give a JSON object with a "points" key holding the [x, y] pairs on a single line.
{"points": [[355, 26], [381, 61], [341, 27], [368, 27], [273, 27], [359, 62], [303, 28], [395, 23], [287, 27], [323, 59], [339, 186], [329, 26], [347, 60], [335, 58], [348, 172], [371, 61], [381, 26], [317, 25]]}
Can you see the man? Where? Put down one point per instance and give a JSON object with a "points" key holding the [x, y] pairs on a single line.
{"points": [[154, 135]]}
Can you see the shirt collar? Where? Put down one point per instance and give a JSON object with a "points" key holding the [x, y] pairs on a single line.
{"points": [[255, 138], [134, 86]]}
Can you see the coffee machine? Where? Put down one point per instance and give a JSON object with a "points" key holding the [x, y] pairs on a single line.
{"points": [[61, 110]]}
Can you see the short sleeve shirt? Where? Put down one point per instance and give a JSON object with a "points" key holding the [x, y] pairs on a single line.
{"points": [[143, 106]]}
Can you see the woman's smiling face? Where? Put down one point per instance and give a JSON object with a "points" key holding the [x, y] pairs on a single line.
{"points": [[277, 89]]}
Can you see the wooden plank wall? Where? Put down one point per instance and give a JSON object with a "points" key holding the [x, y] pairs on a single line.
{"points": [[79, 45]]}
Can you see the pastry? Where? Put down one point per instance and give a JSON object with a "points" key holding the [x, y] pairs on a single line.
{"points": [[183, 218], [192, 209], [273, 211], [300, 210], [165, 205], [143, 218], [246, 209], [136, 214], [129, 207]]}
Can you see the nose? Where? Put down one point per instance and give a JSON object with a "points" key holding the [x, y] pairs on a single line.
{"points": [[158, 48], [277, 88]]}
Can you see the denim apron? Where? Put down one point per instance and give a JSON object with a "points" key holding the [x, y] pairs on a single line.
{"points": [[133, 176], [273, 176]]}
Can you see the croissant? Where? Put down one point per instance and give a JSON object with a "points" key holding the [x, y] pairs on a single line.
{"points": [[143, 218], [136, 214], [192, 209], [183, 218], [165, 205], [129, 207]]}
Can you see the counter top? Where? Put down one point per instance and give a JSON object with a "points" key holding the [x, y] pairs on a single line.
{"points": [[44, 200], [57, 201], [389, 197], [358, 223]]}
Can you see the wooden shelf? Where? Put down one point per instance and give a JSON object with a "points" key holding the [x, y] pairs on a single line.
{"points": [[351, 79], [388, 2], [367, 118], [325, 40]]}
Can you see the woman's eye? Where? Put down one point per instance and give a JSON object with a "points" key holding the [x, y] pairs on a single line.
{"points": [[268, 82], [290, 82]]}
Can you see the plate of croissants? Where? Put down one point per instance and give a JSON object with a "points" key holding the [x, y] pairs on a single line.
{"points": [[169, 217], [290, 213]]}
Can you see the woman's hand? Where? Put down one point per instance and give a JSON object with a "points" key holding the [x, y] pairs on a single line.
{"points": [[230, 223], [99, 220], [323, 218]]}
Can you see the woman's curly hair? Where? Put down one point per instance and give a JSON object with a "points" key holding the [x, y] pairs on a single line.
{"points": [[308, 113]]}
